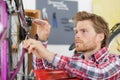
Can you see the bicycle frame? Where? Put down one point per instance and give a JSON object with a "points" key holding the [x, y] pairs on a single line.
{"points": [[4, 46], [4, 7]]}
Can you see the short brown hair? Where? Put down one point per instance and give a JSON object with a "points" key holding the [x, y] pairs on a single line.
{"points": [[99, 24]]}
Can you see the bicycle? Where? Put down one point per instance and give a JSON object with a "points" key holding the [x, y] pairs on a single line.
{"points": [[8, 72], [9, 9], [114, 40]]}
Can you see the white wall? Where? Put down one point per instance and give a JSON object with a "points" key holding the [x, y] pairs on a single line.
{"points": [[29, 4], [83, 5], [60, 49]]}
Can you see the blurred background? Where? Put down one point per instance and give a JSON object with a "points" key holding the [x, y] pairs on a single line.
{"points": [[60, 12]]}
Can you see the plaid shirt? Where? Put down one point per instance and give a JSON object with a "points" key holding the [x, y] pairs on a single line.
{"points": [[100, 66]]}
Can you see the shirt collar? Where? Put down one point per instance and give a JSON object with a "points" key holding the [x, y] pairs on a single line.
{"points": [[99, 55], [96, 56], [79, 55]]}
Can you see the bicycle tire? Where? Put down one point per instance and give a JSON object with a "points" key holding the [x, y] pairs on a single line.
{"points": [[114, 41]]}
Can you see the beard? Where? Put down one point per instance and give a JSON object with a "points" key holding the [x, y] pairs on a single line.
{"points": [[85, 47]]}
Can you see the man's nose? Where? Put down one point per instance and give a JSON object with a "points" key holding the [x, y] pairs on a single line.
{"points": [[77, 35]]}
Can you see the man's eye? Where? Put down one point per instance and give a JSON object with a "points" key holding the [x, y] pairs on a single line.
{"points": [[83, 30], [75, 32]]}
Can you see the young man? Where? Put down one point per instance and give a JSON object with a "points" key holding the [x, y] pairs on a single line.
{"points": [[92, 61]]}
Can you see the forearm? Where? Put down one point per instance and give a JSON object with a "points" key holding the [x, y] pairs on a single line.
{"points": [[46, 54], [49, 56], [38, 63], [45, 60]]}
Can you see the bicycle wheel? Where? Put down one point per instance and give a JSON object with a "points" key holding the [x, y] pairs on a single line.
{"points": [[18, 22], [21, 64], [114, 42]]}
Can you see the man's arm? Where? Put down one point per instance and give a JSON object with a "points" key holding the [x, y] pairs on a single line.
{"points": [[38, 62], [88, 69], [76, 66], [42, 34]]}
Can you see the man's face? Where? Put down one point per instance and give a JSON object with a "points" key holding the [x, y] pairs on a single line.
{"points": [[85, 36]]}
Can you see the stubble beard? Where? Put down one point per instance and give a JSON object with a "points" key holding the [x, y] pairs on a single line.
{"points": [[86, 47]]}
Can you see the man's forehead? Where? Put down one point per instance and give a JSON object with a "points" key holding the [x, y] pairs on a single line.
{"points": [[80, 28], [84, 24]]}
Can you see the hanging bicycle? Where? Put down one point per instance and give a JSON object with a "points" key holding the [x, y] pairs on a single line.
{"points": [[13, 21]]}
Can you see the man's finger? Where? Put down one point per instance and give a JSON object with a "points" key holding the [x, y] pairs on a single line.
{"points": [[40, 22]]}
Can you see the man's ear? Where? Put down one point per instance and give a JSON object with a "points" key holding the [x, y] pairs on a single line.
{"points": [[100, 37]]}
